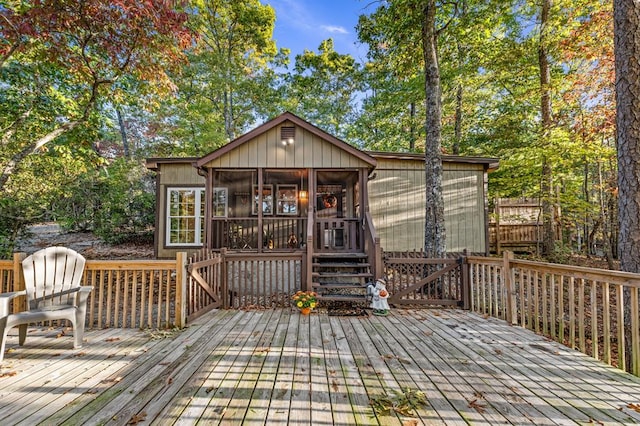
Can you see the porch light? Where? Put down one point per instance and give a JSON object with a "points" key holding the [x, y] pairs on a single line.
{"points": [[288, 141], [303, 195]]}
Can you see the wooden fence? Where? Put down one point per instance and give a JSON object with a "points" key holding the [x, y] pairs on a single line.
{"points": [[126, 293], [582, 308], [415, 280], [239, 280]]}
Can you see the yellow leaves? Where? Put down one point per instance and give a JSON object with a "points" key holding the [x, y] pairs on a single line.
{"points": [[403, 403]]}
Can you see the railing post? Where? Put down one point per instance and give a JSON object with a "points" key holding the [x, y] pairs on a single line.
{"points": [[507, 277], [181, 289], [19, 303], [466, 284], [224, 284]]}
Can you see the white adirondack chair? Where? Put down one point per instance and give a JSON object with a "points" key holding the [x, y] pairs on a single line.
{"points": [[52, 287]]}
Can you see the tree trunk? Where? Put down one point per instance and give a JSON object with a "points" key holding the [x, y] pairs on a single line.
{"points": [[434, 232], [627, 56], [546, 181]]}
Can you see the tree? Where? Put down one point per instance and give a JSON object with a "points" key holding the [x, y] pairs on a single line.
{"points": [[230, 79], [74, 52], [434, 238], [627, 61], [323, 88]]}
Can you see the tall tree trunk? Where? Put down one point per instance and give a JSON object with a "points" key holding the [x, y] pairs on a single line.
{"points": [[627, 57], [412, 120], [434, 232], [546, 181]]}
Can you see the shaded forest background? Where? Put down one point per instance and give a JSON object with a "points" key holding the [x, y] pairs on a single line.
{"points": [[89, 89]]}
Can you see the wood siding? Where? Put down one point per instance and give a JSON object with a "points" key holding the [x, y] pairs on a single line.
{"points": [[397, 197], [307, 151], [182, 175]]}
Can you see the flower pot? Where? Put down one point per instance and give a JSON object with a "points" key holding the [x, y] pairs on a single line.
{"points": [[305, 311]]}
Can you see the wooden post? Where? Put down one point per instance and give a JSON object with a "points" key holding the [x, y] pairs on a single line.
{"points": [[19, 303], [224, 285], [507, 278], [498, 245], [466, 284], [181, 289]]}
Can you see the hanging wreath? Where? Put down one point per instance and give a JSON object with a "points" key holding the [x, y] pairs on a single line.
{"points": [[329, 201]]}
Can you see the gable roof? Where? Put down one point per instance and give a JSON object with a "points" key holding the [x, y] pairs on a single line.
{"points": [[287, 116]]}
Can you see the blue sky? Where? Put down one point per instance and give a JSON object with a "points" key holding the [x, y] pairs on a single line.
{"points": [[303, 24]]}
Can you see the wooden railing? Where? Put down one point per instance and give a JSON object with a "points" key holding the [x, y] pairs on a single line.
{"points": [[337, 234], [372, 247], [6, 275], [277, 233], [126, 293], [415, 280], [583, 308]]}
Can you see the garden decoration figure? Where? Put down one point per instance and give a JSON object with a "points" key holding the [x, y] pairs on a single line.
{"points": [[380, 295]]}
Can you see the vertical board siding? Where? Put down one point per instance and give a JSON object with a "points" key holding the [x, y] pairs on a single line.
{"points": [[308, 150], [397, 197]]}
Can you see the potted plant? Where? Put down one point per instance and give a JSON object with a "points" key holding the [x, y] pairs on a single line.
{"points": [[305, 301]]}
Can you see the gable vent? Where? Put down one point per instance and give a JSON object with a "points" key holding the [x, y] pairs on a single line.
{"points": [[287, 133]]}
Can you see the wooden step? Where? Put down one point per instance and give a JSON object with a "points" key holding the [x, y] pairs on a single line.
{"points": [[341, 275], [342, 298], [339, 255], [341, 265], [338, 286]]}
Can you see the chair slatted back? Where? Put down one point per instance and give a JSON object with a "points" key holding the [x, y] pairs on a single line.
{"points": [[50, 274]]}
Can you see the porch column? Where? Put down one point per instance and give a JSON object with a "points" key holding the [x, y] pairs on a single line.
{"points": [[260, 221]]}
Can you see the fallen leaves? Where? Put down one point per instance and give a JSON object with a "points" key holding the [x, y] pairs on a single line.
{"points": [[403, 403], [634, 407], [480, 408], [138, 418], [8, 374], [112, 339]]}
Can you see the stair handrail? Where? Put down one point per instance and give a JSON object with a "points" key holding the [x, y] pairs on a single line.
{"points": [[372, 246]]}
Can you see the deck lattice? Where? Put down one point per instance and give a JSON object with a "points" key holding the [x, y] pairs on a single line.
{"points": [[278, 367]]}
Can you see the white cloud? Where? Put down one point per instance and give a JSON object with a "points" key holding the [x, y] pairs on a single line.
{"points": [[334, 29]]}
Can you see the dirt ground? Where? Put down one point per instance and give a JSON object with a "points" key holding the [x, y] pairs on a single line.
{"points": [[91, 247]]}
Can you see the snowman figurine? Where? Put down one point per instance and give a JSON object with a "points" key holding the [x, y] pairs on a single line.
{"points": [[379, 300]]}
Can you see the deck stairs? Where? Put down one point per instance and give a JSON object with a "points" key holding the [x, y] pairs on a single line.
{"points": [[341, 277]]}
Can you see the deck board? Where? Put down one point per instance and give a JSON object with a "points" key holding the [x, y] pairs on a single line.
{"points": [[278, 367]]}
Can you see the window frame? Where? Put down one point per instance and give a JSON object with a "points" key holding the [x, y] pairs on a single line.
{"points": [[198, 217]]}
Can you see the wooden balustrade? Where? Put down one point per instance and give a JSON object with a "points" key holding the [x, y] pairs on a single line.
{"points": [[126, 293], [583, 308]]}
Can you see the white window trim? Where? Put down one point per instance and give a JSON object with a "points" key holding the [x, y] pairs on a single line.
{"points": [[200, 200]]}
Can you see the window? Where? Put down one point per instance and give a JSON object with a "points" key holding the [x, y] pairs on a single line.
{"points": [[267, 200], [220, 203], [185, 218], [287, 199]]}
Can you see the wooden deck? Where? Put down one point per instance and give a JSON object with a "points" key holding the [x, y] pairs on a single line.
{"points": [[278, 367]]}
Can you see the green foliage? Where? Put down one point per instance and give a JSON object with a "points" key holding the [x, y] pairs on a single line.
{"points": [[116, 202], [322, 89]]}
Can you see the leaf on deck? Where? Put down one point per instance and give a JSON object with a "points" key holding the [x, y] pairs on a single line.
{"points": [[112, 339], [8, 374], [634, 407], [480, 408], [138, 418]]}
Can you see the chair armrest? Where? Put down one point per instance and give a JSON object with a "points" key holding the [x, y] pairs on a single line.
{"points": [[83, 294], [5, 300]]}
